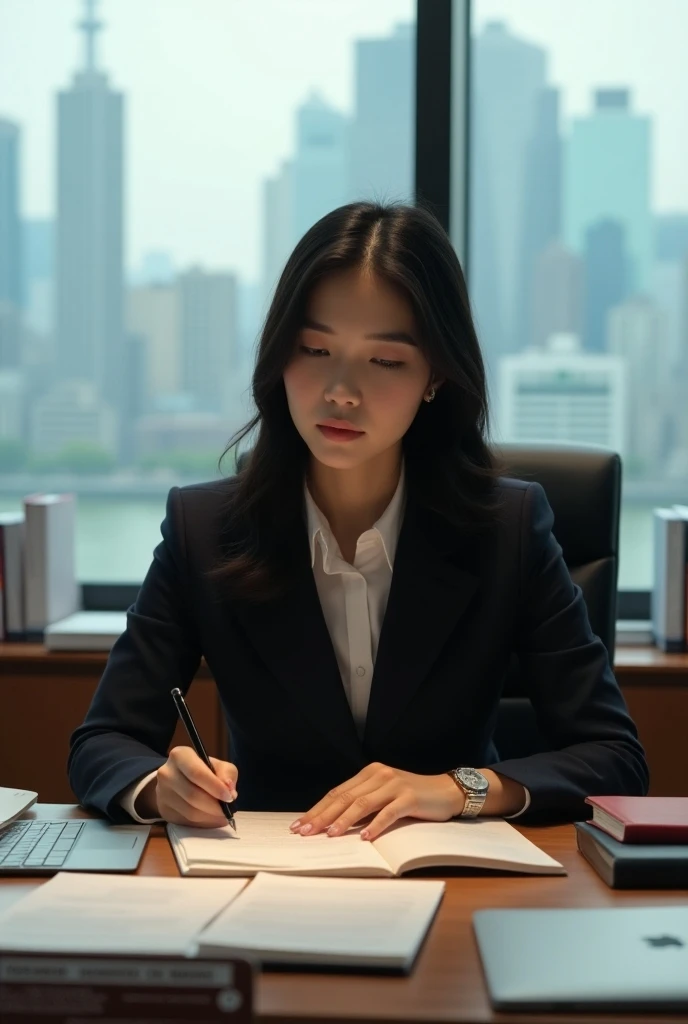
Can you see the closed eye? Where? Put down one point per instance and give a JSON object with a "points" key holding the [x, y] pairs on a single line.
{"points": [[386, 364]]}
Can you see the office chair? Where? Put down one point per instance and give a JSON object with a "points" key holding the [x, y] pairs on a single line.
{"points": [[583, 486]]}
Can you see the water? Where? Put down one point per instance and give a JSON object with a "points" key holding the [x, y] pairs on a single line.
{"points": [[115, 538]]}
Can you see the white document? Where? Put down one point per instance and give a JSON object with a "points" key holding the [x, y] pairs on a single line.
{"points": [[78, 912], [326, 921]]}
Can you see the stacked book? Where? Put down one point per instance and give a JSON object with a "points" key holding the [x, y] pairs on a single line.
{"points": [[670, 585], [637, 842], [38, 584]]}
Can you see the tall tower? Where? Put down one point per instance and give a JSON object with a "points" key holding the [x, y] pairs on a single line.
{"points": [[90, 206], [607, 177], [10, 229], [383, 129], [514, 126]]}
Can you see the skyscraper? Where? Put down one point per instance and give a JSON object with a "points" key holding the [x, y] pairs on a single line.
{"points": [[382, 129], [208, 312], [38, 243], [90, 205], [607, 176], [278, 227], [541, 203], [10, 229], [319, 172], [671, 237], [606, 279], [508, 117], [557, 291], [637, 333]]}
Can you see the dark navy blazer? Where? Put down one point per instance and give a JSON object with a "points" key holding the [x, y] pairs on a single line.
{"points": [[458, 610]]}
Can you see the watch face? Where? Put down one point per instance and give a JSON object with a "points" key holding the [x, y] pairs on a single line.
{"points": [[473, 779]]}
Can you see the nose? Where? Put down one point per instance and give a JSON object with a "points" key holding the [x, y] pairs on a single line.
{"points": [[342, 392]]}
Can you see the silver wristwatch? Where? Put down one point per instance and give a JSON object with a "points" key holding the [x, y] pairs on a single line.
{"points": [[475, 787]]}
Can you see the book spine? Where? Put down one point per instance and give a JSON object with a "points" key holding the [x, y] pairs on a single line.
{"points": [[62, 592], [632, 874], [3, 586], [650, 874], [35, 569], [668, 595], [589, 849], [13, 555]]}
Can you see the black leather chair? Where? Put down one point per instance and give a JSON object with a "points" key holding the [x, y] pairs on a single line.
{"points": [[583, 486]]}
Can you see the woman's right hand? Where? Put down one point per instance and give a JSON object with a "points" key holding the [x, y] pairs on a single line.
{"points": [[187, 792]]}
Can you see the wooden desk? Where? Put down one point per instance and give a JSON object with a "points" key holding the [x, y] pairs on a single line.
{"points": [[447, 983], [52, 691]]}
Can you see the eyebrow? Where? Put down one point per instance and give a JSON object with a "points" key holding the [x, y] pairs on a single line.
{"points": [[403, 336]]}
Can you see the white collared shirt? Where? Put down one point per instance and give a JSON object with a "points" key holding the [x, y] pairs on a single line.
{"points": [[353, 597]]}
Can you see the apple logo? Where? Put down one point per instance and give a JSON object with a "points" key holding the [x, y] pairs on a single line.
{"points": [[662, 941]]}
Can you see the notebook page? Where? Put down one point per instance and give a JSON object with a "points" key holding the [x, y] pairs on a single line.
{"points": [[93, 913], [327, 919], [479, 842], [263, 842]]}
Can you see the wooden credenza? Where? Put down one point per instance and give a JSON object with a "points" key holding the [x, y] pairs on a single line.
{"points": [[44, 695]]}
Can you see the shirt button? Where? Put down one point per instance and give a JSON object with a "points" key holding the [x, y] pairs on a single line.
{"points": [[360, 671]]}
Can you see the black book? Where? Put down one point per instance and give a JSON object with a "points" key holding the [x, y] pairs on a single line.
{"points": [[633, 865]]}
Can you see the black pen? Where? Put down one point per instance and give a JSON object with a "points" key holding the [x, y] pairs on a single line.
{"points": [[188, 721]]}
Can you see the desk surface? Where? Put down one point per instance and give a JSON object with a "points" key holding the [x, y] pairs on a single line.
{"points": [[447, 983]]}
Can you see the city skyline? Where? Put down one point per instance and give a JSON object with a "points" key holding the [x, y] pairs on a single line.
{"points": [[578, 275], [533, 186], [129, 54]]}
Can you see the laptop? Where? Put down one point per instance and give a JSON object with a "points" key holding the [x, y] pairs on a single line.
{"points": [[615, 958], [39, 847]]}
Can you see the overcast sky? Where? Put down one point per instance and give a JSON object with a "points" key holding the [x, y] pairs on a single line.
{"points": [[212, 86]]}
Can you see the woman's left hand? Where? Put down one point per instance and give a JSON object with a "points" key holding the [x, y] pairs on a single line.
{"points": [[389, 794]]}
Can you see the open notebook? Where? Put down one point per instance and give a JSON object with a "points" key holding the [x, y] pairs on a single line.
{"points": [[263, 842]]}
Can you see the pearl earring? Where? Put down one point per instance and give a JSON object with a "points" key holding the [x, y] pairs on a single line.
{"points": [[429, 398]]}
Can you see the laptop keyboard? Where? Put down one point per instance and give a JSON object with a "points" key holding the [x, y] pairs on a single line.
{"points": [[37, 844]]}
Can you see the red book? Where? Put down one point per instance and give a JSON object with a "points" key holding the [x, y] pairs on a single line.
{"points": [[642, 819]]}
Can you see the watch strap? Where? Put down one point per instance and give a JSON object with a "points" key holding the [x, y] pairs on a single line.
{"points": [[474, 799]]}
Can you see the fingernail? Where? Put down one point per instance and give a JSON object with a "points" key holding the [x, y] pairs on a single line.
{"points": [[230, 794], [295, 824], [365, 833], [306, 829], [333, 830]]}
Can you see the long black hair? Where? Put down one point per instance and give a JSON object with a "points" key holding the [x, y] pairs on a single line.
{"points": [[449, 465]]}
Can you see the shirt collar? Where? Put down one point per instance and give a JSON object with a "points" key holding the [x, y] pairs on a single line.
{"points": [[388, 525]]}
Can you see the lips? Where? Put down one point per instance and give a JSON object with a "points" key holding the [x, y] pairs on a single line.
{"points": [[339, 433]]}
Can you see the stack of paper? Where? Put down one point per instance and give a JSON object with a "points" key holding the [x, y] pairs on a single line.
{"points": [[282, 920]]}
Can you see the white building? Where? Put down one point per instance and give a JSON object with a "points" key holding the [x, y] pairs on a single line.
{"points": [[561, 393], [72, 411]]}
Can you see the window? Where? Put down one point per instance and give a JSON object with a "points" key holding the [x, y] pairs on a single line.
{"points": [[578, 235], [158, 162]]}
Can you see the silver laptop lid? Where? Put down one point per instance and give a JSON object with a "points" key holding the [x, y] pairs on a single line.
{"points": [[633, 957]]}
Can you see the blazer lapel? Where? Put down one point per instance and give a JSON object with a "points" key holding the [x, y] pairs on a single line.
{"points": [[430, 591], [290, 634]]}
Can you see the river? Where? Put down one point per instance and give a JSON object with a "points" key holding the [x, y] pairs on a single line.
{"points": [[116, 536]]}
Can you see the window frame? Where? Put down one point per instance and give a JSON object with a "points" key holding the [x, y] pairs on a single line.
{"points": [[443, 28]]}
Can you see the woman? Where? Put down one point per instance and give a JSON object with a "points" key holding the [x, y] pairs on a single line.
{"points": [[359, 587]]}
